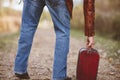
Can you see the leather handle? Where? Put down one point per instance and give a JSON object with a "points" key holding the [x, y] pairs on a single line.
{"points": [[91, 50]]}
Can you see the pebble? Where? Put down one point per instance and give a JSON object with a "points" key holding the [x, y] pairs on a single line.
{"points": [[118, 51]]}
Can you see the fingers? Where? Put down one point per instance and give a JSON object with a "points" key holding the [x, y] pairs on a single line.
{"points": [[90, 44], [87, 43]]}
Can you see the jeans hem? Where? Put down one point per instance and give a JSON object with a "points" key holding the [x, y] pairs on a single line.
{"points": [[18, 72], [59, 78]]}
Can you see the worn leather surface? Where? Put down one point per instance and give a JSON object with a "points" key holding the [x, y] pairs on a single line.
{"points": [[89, 15], [87, 65]]}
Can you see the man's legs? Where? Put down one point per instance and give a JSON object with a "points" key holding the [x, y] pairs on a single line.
{"points": [[31, 13], [61, 19]]}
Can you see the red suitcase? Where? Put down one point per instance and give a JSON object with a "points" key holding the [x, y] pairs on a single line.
{"points": [[87, 66]]}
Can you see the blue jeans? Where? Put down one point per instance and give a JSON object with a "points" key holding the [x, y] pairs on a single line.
{"points": [[32, 11]]}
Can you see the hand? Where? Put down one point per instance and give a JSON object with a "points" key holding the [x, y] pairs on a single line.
{"points": [[90, 42]]}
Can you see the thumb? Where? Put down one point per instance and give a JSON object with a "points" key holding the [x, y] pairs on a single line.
{"points": [[89, 45]]}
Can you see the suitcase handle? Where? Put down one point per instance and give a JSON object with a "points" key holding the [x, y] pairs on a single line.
{"points": [[90, 50]]}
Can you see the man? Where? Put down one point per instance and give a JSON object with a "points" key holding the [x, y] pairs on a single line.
{"points": [[61, 11]]}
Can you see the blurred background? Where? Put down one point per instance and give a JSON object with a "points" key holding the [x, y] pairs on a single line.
{"points": [[107, 25]]}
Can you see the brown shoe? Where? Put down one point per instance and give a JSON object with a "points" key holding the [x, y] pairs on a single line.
{"points": [[22, 76], [68, 78]]}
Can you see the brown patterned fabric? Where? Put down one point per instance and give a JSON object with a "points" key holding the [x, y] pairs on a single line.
{"points": [[89, 14], [69, 4]]}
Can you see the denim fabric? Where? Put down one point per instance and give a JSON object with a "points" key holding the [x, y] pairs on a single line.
{"points": [[32, 11]]}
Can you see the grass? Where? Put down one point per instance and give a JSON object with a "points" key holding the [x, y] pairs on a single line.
{"points": [[7, 40], [77, 33], [111, 47], [6, 11]]}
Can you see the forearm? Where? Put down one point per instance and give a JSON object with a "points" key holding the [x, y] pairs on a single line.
{"points": [[89, 15]]}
